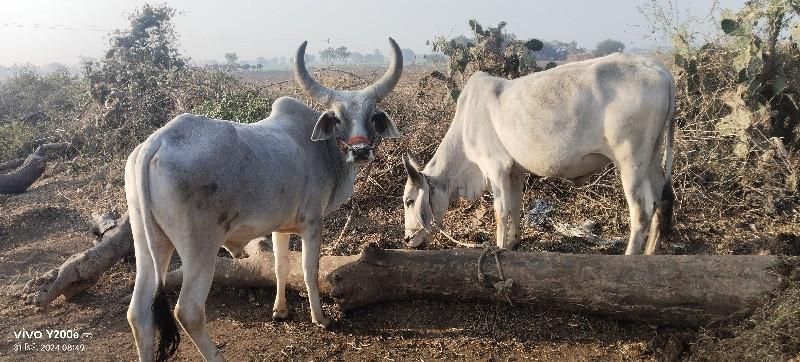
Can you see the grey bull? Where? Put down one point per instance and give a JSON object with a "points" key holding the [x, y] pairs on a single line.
{"points": [[198, 184], [568, 122]]}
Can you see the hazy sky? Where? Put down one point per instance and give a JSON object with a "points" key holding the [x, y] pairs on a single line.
{"points": [[46, 31]]}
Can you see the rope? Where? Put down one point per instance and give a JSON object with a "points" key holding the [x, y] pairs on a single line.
{"points": [[504, 285]]}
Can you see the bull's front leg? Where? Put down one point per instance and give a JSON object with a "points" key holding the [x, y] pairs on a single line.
{"points": [[501, 190], [513, 198], [312, 238], [280, 248]]}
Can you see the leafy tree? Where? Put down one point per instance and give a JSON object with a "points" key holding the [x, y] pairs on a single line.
{"points": [[328, 54], [609, 46], [232, 58], [556, 50], [408, 55], [309, 58], [375, 58], [341, 53], [137, 81], [357, 57]]}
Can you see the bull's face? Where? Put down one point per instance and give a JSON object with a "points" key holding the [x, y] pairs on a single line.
{"points": [[352, 118], [417, 205], [357, 127]]}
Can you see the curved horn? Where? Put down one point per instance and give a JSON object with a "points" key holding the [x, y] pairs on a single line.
{"points": [[319, 92], [384, 86]]}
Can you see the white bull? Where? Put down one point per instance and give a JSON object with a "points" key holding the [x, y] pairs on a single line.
{"points": [[198, 184], [568, 122]]}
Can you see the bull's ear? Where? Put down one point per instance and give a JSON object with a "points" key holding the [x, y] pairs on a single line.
{"points": [[384, 126], [413, 161], [325, 127], [413, 173]]}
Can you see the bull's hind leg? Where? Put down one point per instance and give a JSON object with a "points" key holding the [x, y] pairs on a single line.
{"points": [[663, 208], [140, 311], [280, 248], [198, 264], [507, 191], [640, 195]]}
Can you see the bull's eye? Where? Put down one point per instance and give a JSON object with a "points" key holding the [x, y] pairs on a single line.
{"points": [[410, 202]]}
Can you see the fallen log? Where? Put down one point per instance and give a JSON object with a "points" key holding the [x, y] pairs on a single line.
{"points": [[81, 271], [674, 290], [17, 181], [10, 165], [27, 171]]}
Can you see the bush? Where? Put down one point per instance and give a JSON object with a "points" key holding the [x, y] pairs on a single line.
{"points": [[138, 83], [39, 98], [244, 106]]}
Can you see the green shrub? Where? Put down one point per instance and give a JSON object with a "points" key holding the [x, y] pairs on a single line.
{"points": [[245, 106]]}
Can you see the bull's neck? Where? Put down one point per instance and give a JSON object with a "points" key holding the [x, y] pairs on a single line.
{"points": [[341, 173], [452, 171], [448, 162]]}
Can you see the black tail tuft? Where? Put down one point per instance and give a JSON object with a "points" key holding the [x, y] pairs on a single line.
{"points": [[165, 324], [667, 206]]}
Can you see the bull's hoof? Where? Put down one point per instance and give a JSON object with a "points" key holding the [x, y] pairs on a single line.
{"points": [[325, 323], [280, 315]]}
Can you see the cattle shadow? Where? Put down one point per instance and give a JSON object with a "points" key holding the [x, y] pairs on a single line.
{"points": [[430, 319]]}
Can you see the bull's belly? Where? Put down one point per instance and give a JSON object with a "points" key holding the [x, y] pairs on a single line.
{"points": [[570, 167]]}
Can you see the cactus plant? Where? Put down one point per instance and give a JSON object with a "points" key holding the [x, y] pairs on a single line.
{"points": [[492, 51], [761, 76]]}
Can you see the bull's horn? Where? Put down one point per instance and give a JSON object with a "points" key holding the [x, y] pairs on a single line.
{"points": [[384, 86], [319, 92]]}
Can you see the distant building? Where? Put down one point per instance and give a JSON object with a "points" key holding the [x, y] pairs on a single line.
{"points": [[579, 56]]}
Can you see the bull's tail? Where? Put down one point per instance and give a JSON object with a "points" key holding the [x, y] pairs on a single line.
{"points": [[662, 218], [166, 326], [668, 194], [162, 312]]}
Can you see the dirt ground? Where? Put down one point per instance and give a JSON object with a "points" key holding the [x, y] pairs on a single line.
{"points": [[41, 228]]}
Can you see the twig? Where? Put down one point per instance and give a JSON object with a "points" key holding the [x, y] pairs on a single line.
{"points": [[466, 245]]}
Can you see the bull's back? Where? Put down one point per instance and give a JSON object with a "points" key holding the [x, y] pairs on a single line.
{"points": [[205, 168], [565, 122]]}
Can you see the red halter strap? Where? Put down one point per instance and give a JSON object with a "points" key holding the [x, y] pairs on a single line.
{"points": [[345, 145], [358, 139]]}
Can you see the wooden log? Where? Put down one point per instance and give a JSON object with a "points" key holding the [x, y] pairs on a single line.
{"points": [[17, 181], [10, 165], [81, 271], [26, 172], [674, 290]]}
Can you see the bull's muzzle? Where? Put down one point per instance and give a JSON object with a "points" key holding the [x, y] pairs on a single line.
{"points": [[359, 151]]}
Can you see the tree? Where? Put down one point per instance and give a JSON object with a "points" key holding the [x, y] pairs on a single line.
{"points": [[375, 58], [609, 46], [408, 55], [309, 58], [341, 53], [328, 54], [356, 57], [231, 58], [137, 81], [435, 58], [557, 50]]}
